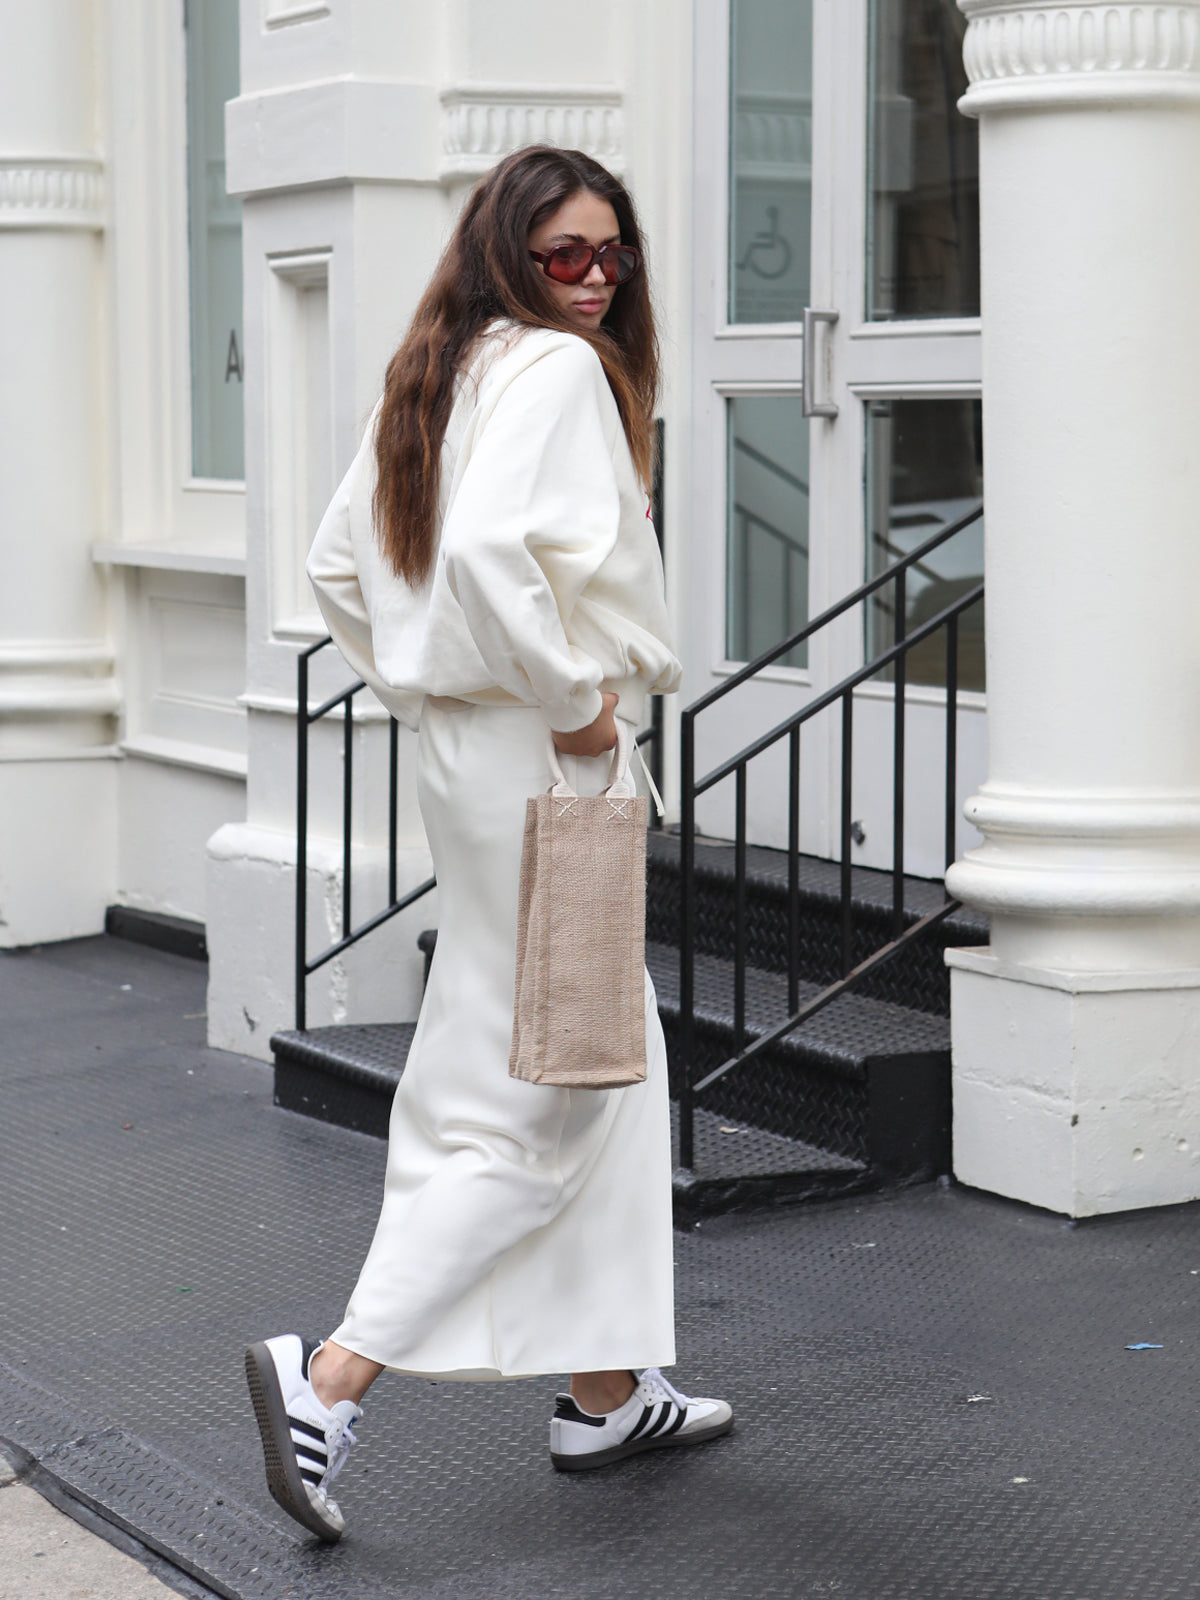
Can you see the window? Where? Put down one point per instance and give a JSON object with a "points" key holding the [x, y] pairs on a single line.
{"points": [[923, 181], [924, 471], [214, 244], [767, 546]]}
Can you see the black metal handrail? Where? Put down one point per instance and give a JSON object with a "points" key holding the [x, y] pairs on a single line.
{"points": [[736, 766], [350, 935]]}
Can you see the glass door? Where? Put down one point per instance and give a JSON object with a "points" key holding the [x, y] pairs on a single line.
{"points": [[836, 201]]}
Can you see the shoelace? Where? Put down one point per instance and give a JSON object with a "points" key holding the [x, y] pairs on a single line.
{"points": [[338, 1441], [654, 1382]]}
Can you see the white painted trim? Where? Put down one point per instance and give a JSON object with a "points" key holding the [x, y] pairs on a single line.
{"points": [[60, 191], [971, 958], [736, 388], [923, 694], [919, 389], [334, 130], [90, 752], [306, 627], [52, 696], [171, 558], [183, 753], [50, 655], [281, 15], [799, 677], [365, 711], [760, 330], [918, 328]]}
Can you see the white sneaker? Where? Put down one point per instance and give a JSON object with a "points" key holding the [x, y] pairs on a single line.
{"points": [[654, 1416], [305, 1444]]}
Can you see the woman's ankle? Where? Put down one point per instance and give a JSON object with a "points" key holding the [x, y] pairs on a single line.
{"points": [[598, 1393], [340, 1374]]}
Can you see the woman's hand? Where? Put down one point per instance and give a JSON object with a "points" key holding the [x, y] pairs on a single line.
{"points": [[596, 738]]}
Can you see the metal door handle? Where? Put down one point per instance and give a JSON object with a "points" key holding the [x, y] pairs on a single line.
{"points": [[809, 405]]}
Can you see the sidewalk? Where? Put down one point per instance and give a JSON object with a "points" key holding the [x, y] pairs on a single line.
{"points": [[934, 1394]]}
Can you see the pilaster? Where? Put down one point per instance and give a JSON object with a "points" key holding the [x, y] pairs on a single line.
{"points": [[59, 697]]}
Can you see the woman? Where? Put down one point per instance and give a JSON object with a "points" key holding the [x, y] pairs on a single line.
{"points": [[488, 568]]}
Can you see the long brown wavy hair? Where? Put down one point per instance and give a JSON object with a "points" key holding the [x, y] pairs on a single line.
{"points": [[485, 272]]}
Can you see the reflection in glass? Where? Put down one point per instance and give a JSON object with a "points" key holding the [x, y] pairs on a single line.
{"points": [[214, 244], [770, 169], [923, 155], [924, 471], [767, 548]]}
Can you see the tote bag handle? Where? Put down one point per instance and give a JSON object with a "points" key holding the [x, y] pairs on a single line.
{"points": [[620, 783]]}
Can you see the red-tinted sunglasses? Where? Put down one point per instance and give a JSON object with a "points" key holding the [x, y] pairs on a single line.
{"points": [[571, 263]]}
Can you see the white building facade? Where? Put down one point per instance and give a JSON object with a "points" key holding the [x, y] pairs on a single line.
{"points": [[888, 238]]}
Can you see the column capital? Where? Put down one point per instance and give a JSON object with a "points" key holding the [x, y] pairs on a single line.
{"points": [[1037, 55]]}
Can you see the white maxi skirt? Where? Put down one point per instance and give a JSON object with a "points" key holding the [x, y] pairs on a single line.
{"points": [[524, 1229]]}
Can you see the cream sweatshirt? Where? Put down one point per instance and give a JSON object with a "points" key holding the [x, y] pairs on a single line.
{"points": [[547, 587]]}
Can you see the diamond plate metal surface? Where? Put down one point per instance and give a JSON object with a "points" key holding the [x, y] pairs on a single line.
{"points": [[934, 1397], [916, 977]]}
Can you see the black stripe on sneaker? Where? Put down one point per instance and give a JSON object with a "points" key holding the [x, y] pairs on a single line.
{"points": [[678, 1423], [668, 1408], [311, 1475], [647, 1413], [306, 1427]]}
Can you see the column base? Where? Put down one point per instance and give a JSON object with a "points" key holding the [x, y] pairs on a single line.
{"points": [[58, 861], [249, 917], [1078, 1092]]}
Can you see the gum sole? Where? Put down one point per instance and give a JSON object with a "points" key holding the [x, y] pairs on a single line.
{"points": [[283, 1475], [621, 1452]]}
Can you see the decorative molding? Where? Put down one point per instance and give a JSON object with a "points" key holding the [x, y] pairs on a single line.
{"points": [[1081, 855], [773, 137], [55, 655], [481, 123], [51, 192], [1021, 55]]}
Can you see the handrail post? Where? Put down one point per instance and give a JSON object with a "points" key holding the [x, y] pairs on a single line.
{"points": [[899, 685], [301, 974], [951, 741], [739, 913], [794, 870], [687, 933], [847, 836], [393, 803], [347, 806]]}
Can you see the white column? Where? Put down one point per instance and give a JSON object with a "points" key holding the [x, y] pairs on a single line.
{"points": [[58, 697], [1077, 1036]]}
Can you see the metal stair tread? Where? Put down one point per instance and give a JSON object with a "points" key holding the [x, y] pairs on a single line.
{"points": [[850, 1031], [370, 1055], [767, 869]]}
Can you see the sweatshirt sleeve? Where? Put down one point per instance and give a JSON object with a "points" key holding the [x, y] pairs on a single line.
{"points": [[536, 512], [333, 573]]}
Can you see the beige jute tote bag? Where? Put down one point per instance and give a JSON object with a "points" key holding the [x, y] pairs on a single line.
{"points": [[579, 1019]]}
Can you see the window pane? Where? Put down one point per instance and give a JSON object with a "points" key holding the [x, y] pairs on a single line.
{"points": [[923, 154], [770, 176], [214, 244], [924, 471], [767, 550]]}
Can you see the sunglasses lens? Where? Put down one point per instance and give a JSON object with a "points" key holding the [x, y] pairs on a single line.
{"points": [[569, 263], [619, 264]]}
